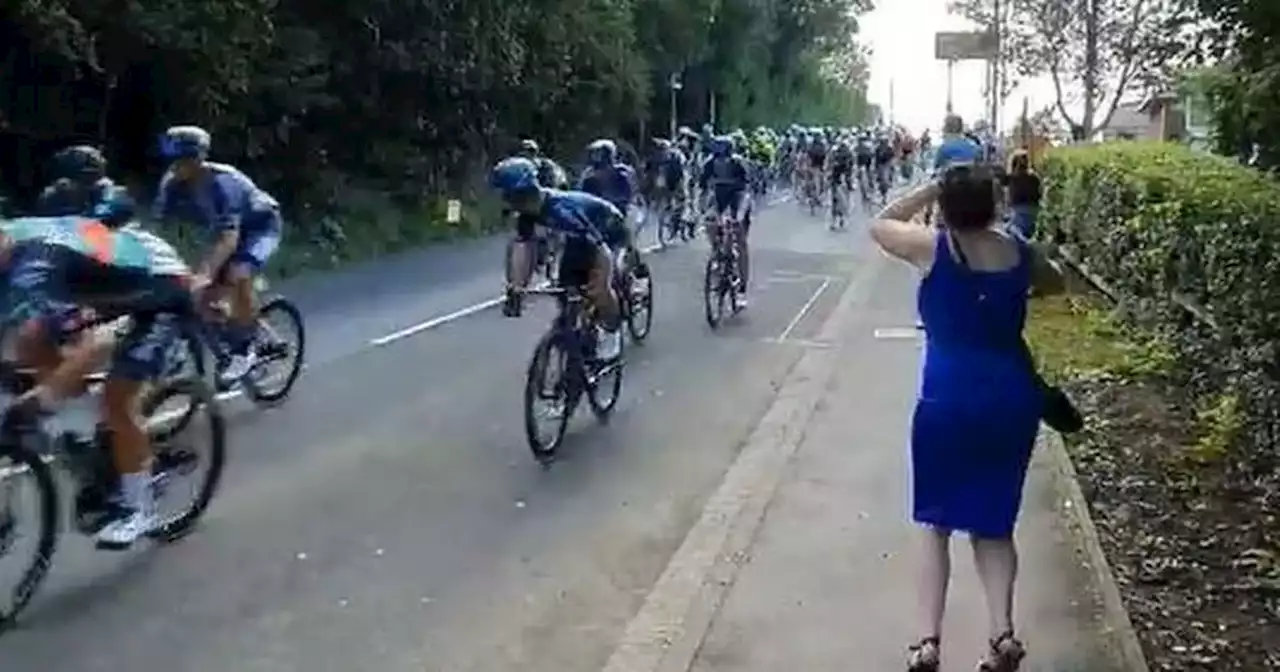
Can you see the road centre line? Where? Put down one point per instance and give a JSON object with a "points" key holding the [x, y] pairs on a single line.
{"points": [[804, 310]]}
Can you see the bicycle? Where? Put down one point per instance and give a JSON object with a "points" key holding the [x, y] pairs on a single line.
{"points": [[27, 449], [722, 280], [570, 344], [267, 345], [670, 225]]}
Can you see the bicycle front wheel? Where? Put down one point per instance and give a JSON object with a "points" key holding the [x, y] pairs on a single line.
{"points": [[177, 452], [548, 382], [282, 341], [713, 295], [18, 463]]}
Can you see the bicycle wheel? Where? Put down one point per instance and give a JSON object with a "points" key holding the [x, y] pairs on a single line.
{"points": [[604, 387], [17, 462], [551, 353], [175, 453], [712, 293], [274, 314], [639, 299], [667, 225]]}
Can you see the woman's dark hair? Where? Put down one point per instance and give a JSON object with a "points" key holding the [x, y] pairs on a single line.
{"points": [[968, 197], [1020, 163]]}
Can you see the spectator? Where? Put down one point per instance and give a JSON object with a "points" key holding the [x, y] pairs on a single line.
{"points": [[1023, 187], [979, 405]]}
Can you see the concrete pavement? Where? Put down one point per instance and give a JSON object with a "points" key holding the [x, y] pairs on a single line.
{"points": [[390, 517]]}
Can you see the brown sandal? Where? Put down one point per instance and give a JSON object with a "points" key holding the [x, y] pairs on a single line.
{"points": [[1005, 656], [925, 655]]}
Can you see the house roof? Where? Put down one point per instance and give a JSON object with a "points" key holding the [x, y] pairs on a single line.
{"points": [[1129, 118]]}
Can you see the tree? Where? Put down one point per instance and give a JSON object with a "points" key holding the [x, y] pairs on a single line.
{"points": [[403, 99], [1094, 51]]}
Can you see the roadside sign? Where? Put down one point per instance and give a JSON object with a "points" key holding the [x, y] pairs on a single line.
{"points": [[453, 214], [964, 46]]}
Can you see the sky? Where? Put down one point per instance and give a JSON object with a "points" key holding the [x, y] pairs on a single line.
{"points": [[900, 34]]}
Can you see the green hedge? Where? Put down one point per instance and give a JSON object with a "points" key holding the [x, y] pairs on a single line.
{"points": [[1159, 221]]}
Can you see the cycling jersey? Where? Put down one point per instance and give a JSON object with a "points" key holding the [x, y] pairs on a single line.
{"points": [[615, 184], [226, 200], [66, 197], [550, 174], [884, 152], [669, 165], [60, 266]]}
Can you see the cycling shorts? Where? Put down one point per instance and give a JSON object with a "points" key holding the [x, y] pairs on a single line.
{"points": [[817, 160], [864, 160], [580, 256], [254, 249], [841, 170]]}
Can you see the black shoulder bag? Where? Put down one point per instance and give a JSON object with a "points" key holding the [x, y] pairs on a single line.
{"points": [[1057, 410]]}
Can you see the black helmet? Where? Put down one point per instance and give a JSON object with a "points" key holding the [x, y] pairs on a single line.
{"points": [[81, 163]]}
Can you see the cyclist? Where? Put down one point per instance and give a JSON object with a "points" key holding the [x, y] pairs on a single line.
{"points": [[550, 174], [665, 172], [727, 177], [865, 156], [593, 228], [884, 164], [57, 270], [81, 183], [842, 167], [244, 221], [608, 178]]}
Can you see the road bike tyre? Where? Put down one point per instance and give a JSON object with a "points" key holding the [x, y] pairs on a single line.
{"points": [[668, 227], [548, 346], [47, 540], [712, 292], [255, 391], [603, 406], [193, 350], [639, 323], [201, 398]]}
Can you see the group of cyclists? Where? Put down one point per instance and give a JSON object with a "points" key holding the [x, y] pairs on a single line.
{"points": [[81, 257], [82, 252]]}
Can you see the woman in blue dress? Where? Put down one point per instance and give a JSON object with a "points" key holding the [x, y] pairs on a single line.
{"points": [[979, 406]]}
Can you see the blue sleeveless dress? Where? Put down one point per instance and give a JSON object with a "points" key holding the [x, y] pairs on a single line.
{"points": [[978, 410]]}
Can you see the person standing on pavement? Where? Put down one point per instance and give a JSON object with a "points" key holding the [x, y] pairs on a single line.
{"points": [[979, 405], [1024, 191]]}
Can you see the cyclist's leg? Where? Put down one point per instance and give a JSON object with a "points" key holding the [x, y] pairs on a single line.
{"points": [[743, 219], [238, 275]]}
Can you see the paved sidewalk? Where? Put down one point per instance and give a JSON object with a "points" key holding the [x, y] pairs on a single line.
{"points": [[828, 581]]}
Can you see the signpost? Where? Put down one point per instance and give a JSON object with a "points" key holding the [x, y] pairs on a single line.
{"points": [[963, 46]]}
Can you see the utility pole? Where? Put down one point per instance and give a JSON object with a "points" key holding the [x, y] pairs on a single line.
{"points": [[891, 106], [996, 30], [951, 72]]}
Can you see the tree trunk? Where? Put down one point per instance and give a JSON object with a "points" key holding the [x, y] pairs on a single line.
{"points": [[1091, 19]]}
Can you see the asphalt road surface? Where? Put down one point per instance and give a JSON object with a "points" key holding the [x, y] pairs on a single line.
{"points": [[390, 516]]}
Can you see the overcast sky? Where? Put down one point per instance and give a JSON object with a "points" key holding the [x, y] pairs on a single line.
{"points": [[900, 34]]}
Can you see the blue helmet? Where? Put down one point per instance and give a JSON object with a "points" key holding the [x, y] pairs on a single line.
{"points": [[603, 152], [185, 142], [115, 208], [80, 162], [513, 176], [722, 146]]}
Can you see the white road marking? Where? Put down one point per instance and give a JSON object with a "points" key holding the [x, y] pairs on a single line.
{"points": [[804, 309], [898, 333]]}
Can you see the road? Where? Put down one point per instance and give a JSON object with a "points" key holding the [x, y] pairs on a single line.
{"points": [[390, 517]]}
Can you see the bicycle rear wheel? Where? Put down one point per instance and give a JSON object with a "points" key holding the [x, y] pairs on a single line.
{"points": [[274, 314], [551, 354], [713, 296], [17, 462]]}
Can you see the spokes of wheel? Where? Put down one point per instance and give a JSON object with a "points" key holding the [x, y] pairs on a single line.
{"points": [[195, 449], [715, 294], [604, 387], [640, 307], [281, 344], [28, 528], [548, 397]]}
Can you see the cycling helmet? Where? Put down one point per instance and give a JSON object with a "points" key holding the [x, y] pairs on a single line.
{"points": [[662, 144], [116, 208], [721, 146], [185, 142], [530, 148], [80, 162], [602, 152], [514, 176]]}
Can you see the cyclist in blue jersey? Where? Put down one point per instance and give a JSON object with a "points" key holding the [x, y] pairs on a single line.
{"points": [[594, 230], [955, 148], [607, 177], [57, 271], [243, 220], [724, 177], [81, 183]]}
